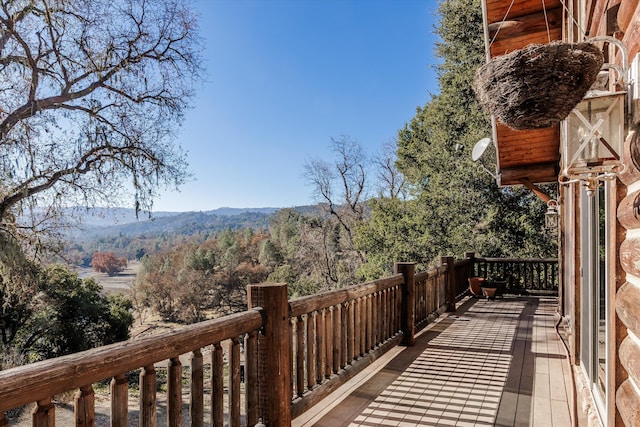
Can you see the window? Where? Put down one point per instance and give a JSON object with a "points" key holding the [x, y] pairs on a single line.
{"points": [[594, 295]]}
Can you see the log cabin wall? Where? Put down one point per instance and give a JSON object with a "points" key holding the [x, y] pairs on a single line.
{"points": [[627, 302], [620, 19], [627, 264]]}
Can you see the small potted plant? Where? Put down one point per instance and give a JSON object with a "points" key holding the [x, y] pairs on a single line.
{"points": [[488, 288], [496, 287]]}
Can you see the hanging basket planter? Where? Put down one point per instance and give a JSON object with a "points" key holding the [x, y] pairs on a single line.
{"points": [[537, 86]]}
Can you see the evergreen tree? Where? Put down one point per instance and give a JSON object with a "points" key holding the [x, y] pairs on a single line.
{"points": [[454, 204]]}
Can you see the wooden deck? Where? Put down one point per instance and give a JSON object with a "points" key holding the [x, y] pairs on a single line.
{"points": [[492, 363]]}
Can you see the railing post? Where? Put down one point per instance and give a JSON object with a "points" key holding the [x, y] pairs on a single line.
{"points": [[274, 353], [449, 261], [471, 256], [407, 311]]}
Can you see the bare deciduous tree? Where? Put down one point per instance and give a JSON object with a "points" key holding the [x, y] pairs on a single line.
{"points": [[92, 93], [391, 182], [342, 186]]}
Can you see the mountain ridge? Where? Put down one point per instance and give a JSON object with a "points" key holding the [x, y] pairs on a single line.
{"points": [[106, 222]]}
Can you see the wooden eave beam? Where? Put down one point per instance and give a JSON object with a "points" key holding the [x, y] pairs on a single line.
{"points": [[538, 173], [536, 190]]}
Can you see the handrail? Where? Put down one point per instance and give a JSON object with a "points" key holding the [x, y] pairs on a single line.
{"points": [[307, 304], [517, 260]]}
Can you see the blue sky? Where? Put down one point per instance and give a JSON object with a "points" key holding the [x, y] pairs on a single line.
{"points": [[283, 77]]}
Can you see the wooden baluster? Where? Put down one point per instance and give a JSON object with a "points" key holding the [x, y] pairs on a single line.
{"points": [[174, 392], [416, 303], [391, 311], [397, 308], [293, 339], [119, 401], [366, 324], [361, 326], [148, 396], [197, 389], [382, 318], [377, 319], [311, 351], [84, 407], [345, 335], [234, 383], [548, 276], [382, 333], [351, 342], [385, 314], [372, 326], [374, 320], [217, 386], [300, 328], [429, 289], [432, 293], [337, 338], [320, 355], [251, 377], [394, 312], [328, 341], [43, 414], [423, 303], [423, 297]]}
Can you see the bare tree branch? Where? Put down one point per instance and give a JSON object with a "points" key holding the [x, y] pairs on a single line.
{"points": [[91, 92]]}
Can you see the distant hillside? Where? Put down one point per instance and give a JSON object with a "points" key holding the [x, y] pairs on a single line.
{"points": [[122, 222], [186, 223], [106, 217]]}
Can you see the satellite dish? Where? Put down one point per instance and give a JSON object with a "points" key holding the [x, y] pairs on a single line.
{"points": [[479, 148]]}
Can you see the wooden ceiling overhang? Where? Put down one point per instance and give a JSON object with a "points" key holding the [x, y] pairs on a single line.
{"points": [[524, 157]]}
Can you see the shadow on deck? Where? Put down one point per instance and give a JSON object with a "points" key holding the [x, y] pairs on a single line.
{"points": [[493, 363]]}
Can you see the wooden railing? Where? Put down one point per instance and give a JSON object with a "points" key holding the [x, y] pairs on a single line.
{"points": [[522, 275], [430, 295], [40, 382], [296, 352], [338, 335]]}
